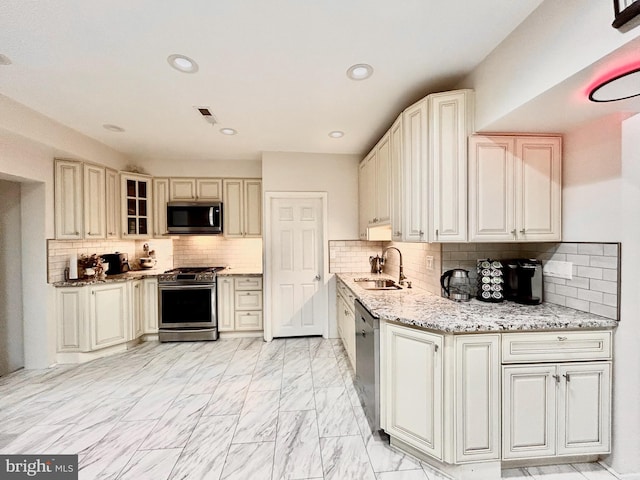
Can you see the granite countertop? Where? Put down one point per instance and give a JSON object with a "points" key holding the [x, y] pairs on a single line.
{"points": [[123, 277], [423, 309]]}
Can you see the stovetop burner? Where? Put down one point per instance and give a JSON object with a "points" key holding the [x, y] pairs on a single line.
{"points": [[185, 275]]}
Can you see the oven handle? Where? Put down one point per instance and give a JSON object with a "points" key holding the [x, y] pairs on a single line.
{"points": [[186, 286]]}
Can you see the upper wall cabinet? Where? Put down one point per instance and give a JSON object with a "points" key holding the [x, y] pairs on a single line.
{"points": [[95, 218], [136, 205], [428, 169], [515, 188], [160, 199], [375, 187], [242, 213], [68, 199], [112, 189], [193, 189], [450, 123]]}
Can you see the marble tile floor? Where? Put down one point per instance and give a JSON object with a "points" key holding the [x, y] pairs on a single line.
{"points": [[232, 409]]}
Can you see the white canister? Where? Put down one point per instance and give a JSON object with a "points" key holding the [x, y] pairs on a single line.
{"points": [[73, 266]]}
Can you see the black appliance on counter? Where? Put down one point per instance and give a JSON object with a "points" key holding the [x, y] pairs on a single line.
{"points": [[524, 283], [118, 263], [187, 308]]}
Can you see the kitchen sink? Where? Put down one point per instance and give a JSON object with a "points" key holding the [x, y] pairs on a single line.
{"points": [[377, 284]]}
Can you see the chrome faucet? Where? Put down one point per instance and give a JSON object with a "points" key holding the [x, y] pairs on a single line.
{"points": [[401, 277]]}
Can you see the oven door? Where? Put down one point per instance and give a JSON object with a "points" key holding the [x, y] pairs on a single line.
{"points": [[187, 306]]}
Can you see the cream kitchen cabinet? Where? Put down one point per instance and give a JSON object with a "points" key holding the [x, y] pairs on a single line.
{"points": [[366, 171], [195, 189], [95, 218], [112, 194], [346, 319], [242, 208], [68, 199], [414, 388], [457, 421], [375, 187], [137, 198], [450, 124], [108, 315], [150, 305], [239, 303], [397, 181], [561, 404], [160, 199], [136, 325], [515, 188], [71, 312]]}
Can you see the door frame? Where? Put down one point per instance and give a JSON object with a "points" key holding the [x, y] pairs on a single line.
{"points": [[269, 197]]}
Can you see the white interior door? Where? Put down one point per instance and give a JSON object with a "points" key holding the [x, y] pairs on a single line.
{"points": [[295, 270]]}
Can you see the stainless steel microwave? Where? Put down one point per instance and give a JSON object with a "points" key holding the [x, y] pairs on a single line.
{"points": [[194, 218]]}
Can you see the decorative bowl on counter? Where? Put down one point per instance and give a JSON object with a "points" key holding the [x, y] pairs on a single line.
{"points": [[147, 262]]}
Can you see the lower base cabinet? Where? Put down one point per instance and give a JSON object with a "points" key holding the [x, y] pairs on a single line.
{"points": [[346, 319], [468, 398], [556, 409], [108, 315], [96, 316], [239, 303], [414, 388]]}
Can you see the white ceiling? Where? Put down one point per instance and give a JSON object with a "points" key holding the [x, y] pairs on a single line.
{"points": [[272, 69]]}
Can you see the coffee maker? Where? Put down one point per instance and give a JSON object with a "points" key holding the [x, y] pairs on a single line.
{"points": [[523, 278]]}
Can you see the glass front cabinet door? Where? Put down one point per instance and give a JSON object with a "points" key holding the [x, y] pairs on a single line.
{"points": [[136, 205]]}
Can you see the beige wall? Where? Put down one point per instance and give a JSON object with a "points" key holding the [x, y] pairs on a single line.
{"points": [[28, 143], [314, 172], [183, 167]]}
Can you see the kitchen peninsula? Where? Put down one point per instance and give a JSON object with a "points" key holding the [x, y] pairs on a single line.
{"points": [[476, 387]]}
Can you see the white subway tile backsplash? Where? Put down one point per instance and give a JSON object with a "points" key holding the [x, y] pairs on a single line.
{"points": [[577, 304], [604, 310], [604, 286], [557, 299], [591, 248], [604, 262], [578, 259], [589, 272], [567, 248], [610, 299], [611, 250], [567, 291], [591, 295], [578, 282]]}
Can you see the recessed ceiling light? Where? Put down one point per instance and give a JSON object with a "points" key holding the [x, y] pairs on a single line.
{"points": [[4, 60], [336, 134], [113, 128], [619, 87], [360, 71], [228, 131], [182, 63]]}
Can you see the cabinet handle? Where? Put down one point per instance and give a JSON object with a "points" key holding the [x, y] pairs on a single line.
{"points": [[363, 334], [93, 293], [522, 231], [421, 233], [557, 378], [437, 232], [76, 233], [513, 232], [562, 339], [398, 234], [567, 376]]}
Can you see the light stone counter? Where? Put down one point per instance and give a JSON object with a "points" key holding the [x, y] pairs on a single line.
{"points": [[240, 271], [423, 309], [123, 277]]}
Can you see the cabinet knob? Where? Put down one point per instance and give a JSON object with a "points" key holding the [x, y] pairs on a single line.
{"points": [[76, 233], [562, 339]]}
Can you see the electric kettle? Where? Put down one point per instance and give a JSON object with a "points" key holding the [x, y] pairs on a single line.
{"points": [[456, 285]]}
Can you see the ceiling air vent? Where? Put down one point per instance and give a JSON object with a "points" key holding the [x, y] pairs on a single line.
{"points": [[207, 115]]}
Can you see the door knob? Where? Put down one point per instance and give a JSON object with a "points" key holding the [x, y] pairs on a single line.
{"points": [[318, 277]]}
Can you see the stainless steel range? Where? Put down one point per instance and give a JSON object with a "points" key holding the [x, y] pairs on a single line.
{"points": [[187, 309]]}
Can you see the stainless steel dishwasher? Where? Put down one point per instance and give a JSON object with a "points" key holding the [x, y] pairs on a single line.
{"points": [[368, 364]]}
